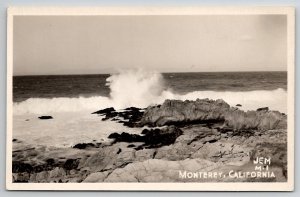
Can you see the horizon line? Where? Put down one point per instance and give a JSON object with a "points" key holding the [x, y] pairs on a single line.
{"points": [[159, 72]]}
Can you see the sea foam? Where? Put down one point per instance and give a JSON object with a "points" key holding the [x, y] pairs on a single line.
{"points": [[141, 89]]}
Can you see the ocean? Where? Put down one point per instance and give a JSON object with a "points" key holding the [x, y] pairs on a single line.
{"points": [[74, 86], [71, 99]]}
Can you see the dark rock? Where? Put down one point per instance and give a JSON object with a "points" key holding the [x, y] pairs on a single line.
{"points": [[41, 168], [45, 117], [49, 165], [129, 124], [119, 151], [132, 109], [98, 144], [126, 137], [203, 135], [111, 115], [14, 140], [84, 145], [108, 112], [19, 167], [151, 138], [245, 133], [263, 109], [71, 164], [105, 111], [139, 148], [211, 141], [130, 115], [50, 161], [238, 105], [114, 135], [166, 136], [225, 129]]}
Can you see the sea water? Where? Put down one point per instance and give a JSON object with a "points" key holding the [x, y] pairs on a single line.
{"points": [[70, 99]]}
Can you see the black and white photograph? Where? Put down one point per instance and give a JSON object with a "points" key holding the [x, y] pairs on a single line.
{"points": [[151, 96]]}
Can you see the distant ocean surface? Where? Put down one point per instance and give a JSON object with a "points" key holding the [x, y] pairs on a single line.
{"points": [[25, 87], [141, 89]]}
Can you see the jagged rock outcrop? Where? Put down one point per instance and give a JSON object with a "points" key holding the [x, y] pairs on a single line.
{"points": [[183, 112], [205, 135], [176, 112]]}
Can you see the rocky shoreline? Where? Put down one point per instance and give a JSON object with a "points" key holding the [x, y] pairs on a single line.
{"points": [[203, 135]]}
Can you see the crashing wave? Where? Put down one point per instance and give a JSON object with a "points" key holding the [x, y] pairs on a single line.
{"points": [[141, 89]]}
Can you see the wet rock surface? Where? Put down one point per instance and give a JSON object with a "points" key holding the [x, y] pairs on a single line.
{"points": [[128, 117]]}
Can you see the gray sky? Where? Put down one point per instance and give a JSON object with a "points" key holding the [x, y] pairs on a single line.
{"points": [[105, 44]]}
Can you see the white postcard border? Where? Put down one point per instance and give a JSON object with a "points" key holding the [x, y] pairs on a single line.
{"points": [[92, 11]]}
